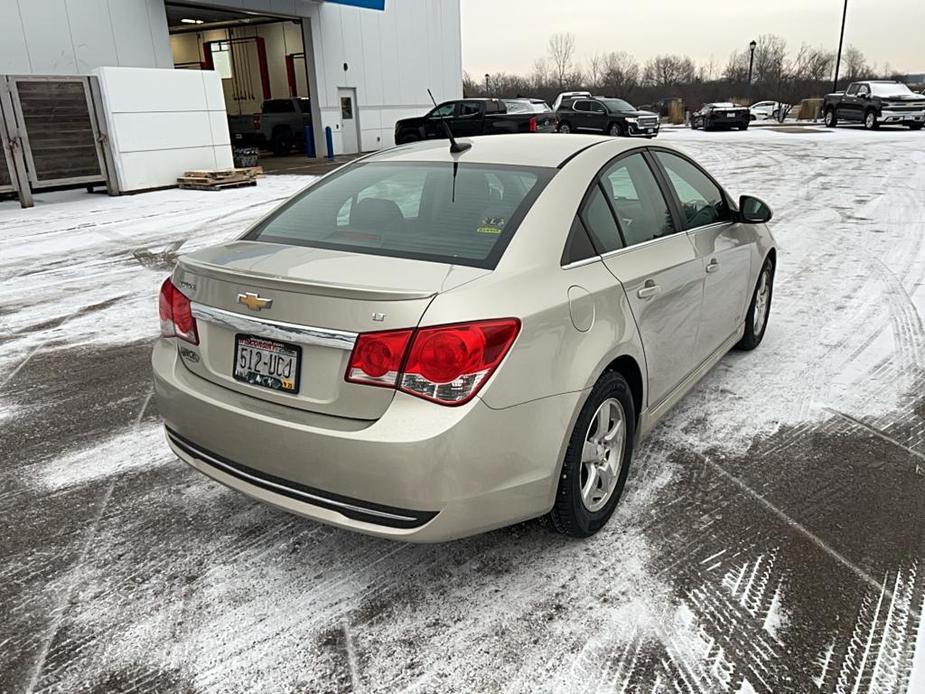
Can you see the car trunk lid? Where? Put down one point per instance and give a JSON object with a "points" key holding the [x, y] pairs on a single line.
{"points": [[314, 299]]}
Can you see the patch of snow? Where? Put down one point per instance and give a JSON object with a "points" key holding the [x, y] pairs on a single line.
{"points": [[138, 448]]}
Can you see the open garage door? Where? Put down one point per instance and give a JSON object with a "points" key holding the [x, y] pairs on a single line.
{"points": [[262, 61]]}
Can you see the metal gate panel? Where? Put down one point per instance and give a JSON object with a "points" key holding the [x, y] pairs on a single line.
{"points": [[62, 143]]}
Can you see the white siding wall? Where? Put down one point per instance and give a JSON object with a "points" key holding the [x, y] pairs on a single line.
{"points": [[57, 37], [163, 122]]}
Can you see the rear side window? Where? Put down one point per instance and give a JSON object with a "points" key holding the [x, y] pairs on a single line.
{"points": [[578, 246], [637, 200], [599, 222], [411, 210], [468, 109], [702, 202]]}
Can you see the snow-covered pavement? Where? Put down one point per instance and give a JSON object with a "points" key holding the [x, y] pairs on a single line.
{"points": [[771, 539]]}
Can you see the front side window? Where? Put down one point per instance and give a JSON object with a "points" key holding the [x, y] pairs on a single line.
{"points": [[637, 200], [443, 110], [863, 90], [411, 210], [702, 201], [852, 89], [582, 106]]}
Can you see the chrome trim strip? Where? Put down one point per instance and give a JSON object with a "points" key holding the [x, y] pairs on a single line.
{"points": [[275, 330], [582, 262], [259, 482]]}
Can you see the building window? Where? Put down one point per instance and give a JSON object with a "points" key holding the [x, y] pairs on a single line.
{"points": [[346, 108], [221, 59]]}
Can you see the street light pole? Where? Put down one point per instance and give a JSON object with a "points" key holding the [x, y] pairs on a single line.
{"points": [[841, 38], [751, 62], [487, 87]]}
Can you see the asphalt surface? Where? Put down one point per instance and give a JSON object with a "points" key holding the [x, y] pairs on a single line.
{"points": [[771, 538]]}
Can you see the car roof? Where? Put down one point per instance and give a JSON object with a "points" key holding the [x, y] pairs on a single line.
{"points": [[517, 149]]}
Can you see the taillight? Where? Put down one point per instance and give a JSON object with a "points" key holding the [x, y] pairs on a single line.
{"points": [[447, 364], [377, 358], [532, 124], [176, 314], [256, 121]]}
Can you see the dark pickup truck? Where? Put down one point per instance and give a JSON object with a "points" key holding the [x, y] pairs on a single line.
{"points": [[279, 125], [875, 103], [470, 117]]}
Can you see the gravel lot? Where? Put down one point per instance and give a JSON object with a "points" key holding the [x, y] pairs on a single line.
{"points": [[771, 539]]}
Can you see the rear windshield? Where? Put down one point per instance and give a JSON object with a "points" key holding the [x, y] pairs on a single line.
{"points": [[411, 210]]}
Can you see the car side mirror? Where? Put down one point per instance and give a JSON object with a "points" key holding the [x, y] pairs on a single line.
{"points": [[753, 210]]}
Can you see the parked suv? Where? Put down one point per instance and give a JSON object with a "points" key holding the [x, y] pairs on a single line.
{"points": [[875, 102], [606, 115]]}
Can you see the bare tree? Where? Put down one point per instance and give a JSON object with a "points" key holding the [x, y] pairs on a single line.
{"points": [[854, 65], [669, 71], [561, 54], [620, 73], [595, 72]]}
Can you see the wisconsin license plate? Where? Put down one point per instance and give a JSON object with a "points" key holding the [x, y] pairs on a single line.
{"points": [[267, 363]]}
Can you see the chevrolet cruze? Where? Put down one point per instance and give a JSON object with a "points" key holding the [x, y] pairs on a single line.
{"points": [[435, 341]]}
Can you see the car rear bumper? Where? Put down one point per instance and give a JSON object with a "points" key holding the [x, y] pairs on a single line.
{"points": [[422, 472]]}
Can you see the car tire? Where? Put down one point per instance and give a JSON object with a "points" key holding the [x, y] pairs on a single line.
{"points": [[870, 120], [830, 118], [759, 310], [915, 126], [693, 124], [744, 127], [565, 128], [408, 138], [615, 130], [281, 143], [579, 512]]}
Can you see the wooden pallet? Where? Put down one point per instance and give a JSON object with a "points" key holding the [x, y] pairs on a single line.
{"points": [[202, 179], [196, 184]]}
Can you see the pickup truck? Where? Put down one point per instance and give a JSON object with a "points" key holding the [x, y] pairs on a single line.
{"points": [[470, 117], [875, 103], [279, 125]]}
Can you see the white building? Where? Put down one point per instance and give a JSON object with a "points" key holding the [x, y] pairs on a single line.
{"points": [[363, 63]]}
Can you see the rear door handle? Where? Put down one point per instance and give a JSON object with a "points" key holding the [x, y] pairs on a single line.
{"points": [[649, 290], [713, 266]]}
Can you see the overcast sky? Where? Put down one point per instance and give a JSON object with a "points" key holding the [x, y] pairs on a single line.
{"points": [[508, 35]]}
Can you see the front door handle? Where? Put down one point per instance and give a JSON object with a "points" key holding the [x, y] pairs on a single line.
{"points": [[713, 266], [648, 290]]}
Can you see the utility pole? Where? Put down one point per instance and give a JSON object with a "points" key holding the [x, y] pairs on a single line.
{"points": [[487, 86], [751, 62], [841, 38]]}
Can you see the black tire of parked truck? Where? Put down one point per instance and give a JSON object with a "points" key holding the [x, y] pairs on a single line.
{"points": [[281, 141], [830, 118], [408, 138], [615, 130], [915, 126], [870, 120]]}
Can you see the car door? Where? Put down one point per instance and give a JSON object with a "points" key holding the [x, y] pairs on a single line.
{"points": [[723, 246], [468, 119], [850, 107], [658, 268], [597, 118], [581, 120], [433, 125]]}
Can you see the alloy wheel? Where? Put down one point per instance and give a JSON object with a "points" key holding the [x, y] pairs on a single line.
{"points": [[602, 454], [762, 302]]}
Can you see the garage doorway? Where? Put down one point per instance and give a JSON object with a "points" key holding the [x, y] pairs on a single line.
{"points": [[264, 68], [350, 124]]}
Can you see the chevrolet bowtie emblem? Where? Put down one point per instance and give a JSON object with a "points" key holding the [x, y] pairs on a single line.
{"points": [[254, 302]]}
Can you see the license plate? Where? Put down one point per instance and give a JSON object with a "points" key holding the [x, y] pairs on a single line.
{"points": [[238, 136], [648, 130], [730, 115], [267, 363]]}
